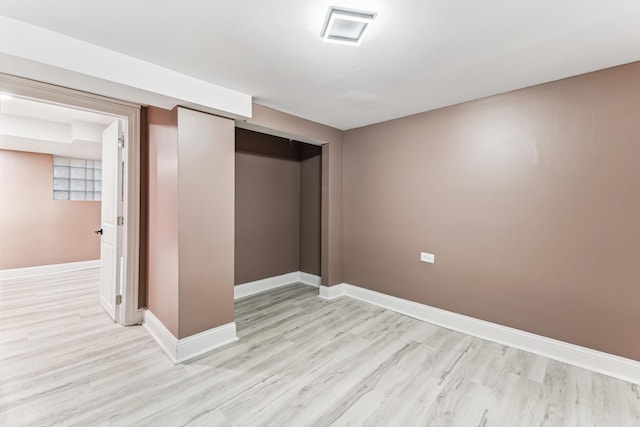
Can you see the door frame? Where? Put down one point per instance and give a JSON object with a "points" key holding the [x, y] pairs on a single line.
{"points": [[19, 86]]}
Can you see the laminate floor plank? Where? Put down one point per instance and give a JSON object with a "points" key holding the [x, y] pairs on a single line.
{"points": [[300, 361]]}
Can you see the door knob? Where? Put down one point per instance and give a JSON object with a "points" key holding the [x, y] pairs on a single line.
{"points": [[98, 231]]}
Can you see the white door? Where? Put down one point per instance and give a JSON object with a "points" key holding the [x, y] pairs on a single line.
{"points": [[111, 205]]}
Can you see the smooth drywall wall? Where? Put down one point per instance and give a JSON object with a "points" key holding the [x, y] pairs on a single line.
{"points": [[35, 229], [191, 220], [278, 210], [267, 206], [162, 226], [206, 163], [529, 201], [310, 208], [331, 205]]}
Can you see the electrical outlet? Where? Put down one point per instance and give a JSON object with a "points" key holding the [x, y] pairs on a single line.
{"points": [[427, 257]]}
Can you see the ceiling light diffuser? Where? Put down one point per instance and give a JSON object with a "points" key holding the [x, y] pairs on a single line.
{"points": [[346, 26]]}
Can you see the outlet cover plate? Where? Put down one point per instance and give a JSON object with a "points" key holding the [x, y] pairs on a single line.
{"points": [[427, 257]]}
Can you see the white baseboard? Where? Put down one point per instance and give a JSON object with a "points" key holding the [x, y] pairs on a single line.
{"points": [[18, 273], [331, 292], [594, 360], [161, 334], [258, 286], [185, 349], [140, 316], [309, 279]]}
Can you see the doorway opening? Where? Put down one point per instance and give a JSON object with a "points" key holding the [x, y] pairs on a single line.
{"points": [[114, 159]]}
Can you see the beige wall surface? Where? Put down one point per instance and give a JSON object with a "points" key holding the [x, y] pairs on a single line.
{"points": [[331, 217], [206, 177], [529, 201], [191, 220], [267, 202], [310, 208], [277, 200], [35, 229], [162, 265]]}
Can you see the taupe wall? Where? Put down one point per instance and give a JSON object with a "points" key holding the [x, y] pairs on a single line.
{"points": [[310, 208], [162, 265], [206, 152], [529, 201], [191, 220], [34, 228], [331, 216], [277, 199], [267, 232]]}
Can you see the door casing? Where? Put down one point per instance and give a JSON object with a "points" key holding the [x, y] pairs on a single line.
{"points": [[18, 86]]}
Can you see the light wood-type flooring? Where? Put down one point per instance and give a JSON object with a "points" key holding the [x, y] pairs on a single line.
{"points": [[300, 361]]}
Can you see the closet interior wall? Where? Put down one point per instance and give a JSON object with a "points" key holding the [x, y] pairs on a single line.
{"points": [[277, 206]]}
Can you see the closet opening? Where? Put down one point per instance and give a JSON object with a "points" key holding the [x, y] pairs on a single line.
{"points": [[278, 206]]}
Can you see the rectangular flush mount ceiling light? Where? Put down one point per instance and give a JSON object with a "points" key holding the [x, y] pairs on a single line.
{"points": [[346, 26]]}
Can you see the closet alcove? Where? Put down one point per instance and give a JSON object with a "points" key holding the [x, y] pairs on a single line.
{"points": [[278, 192]]}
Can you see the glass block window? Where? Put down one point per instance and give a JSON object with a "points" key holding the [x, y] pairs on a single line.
{"points": [[77, 179]]}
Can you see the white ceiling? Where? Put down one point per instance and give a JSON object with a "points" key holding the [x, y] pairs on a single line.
{"points": [[38, 110], [418, 55], [39, 127]]}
